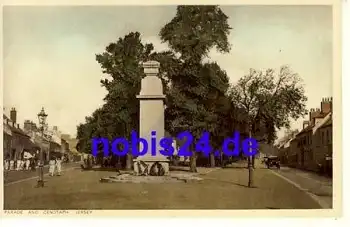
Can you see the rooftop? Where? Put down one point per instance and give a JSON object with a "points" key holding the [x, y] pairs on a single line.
{"points": [[327, 123]]}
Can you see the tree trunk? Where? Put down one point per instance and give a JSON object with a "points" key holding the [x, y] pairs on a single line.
{"points": [[129, 161], [193, 167], [221, 158], [250, 164], [193, 160], [212, 160]]}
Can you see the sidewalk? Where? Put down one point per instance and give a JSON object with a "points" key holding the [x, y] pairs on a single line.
{"points": [[220, 189], [13, 175]]}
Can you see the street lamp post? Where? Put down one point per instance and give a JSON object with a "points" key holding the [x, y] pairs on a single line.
{"points": [[250, 162], [42, 120]]}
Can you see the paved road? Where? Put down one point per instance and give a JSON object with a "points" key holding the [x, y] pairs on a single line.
{"points": [[14, 176], [318, 186], [220, 189]]}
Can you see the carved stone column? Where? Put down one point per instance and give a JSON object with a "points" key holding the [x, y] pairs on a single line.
{"points": [[151, 119]]}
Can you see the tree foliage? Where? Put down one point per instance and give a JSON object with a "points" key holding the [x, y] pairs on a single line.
{"points": [[199, 96], [288, 135], [270, 99], [119, 115], [192, 33], [195, 30]]}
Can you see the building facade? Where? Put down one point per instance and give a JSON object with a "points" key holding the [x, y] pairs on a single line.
{"points": [[311, 149], [7, 138], [16, 141]]}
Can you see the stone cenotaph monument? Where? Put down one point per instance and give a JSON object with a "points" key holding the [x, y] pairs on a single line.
{"points": [[151, 119]]}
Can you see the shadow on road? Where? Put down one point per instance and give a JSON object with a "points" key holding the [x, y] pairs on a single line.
{"points": [[234, 167], [179, 168], [229, 182]]}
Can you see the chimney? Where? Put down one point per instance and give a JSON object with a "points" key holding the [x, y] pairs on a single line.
{"points": [[18, 126], [55, 128], [326, 105], [305, 124], [313, 113], [27, 125], [13, 115], [34, 128]]}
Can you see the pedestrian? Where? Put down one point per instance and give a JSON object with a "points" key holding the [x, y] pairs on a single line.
{"points": [[18, 164], [32, 164], [12, 165], [27, 156], [7, 162], [52, 165], [22, 164], [6, 165], [58, 166]]}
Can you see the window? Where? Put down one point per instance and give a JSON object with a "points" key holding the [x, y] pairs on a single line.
{"points": [[310, 139], [322, 138], [327, 136]]}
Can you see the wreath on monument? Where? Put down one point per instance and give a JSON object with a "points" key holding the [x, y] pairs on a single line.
{"points": [[145, 168], [157, 169]]}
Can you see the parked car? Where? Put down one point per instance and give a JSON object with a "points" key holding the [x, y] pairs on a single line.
{"points": [[273, 161]]}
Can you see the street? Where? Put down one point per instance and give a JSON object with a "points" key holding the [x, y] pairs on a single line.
{"points": [[318, 186], [222, 188]]}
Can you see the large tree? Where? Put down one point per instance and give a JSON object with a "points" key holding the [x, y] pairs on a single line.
{"points": [[217, 103], [192, 33], [119, 116], [270, 99]]}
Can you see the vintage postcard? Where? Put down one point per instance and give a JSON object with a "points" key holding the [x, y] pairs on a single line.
{"points": [[149, 108]]}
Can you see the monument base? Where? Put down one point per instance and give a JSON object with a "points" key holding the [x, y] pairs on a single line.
{"points": [[151, 167]]}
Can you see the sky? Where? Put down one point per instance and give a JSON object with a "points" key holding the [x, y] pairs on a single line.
{"points": [[49, 52]]}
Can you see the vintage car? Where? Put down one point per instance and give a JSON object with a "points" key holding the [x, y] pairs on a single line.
{"points": [[273, 161]]}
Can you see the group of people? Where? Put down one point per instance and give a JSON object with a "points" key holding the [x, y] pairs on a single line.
{"points": [[20, 164], [25, 161], [55, 164]]}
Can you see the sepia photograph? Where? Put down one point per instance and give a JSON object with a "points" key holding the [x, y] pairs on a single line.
{"points": [[170, 107]]}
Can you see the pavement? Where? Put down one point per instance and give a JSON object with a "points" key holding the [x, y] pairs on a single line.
{"points": [[221, 188], [11, 177]]}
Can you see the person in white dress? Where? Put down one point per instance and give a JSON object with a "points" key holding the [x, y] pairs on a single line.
{"points": [[12, 165], [22, 164], [19, 163], [6, 165], [52, 166], [59, 166], [7, 162], [27, 156]]}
